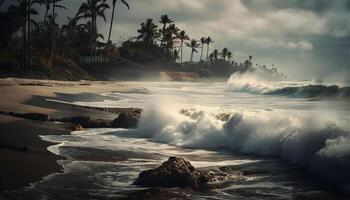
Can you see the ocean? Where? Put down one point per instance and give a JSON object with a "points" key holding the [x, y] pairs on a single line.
{"points": [[290, 140]]}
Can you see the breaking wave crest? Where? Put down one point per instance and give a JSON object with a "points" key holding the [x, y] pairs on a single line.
{"points": [[311, 91], [319, 143], [259, 83]]}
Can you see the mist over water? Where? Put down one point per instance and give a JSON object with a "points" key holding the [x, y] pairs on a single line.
{"points": [[247, 115], [278, 140]]}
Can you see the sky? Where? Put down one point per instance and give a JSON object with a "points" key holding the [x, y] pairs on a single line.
{"points": [[306, 39]]}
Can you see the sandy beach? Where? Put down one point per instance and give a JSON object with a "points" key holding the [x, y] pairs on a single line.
{"points": [[24, 156]]}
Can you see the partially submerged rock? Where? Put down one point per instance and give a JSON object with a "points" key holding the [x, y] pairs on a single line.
{"points": [[87, 122], [176, 172], [31, 116], [128, 119], [77, 127]]}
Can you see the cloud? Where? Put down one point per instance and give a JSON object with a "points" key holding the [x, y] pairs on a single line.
{"points": [[273, 31], [273, 43]]}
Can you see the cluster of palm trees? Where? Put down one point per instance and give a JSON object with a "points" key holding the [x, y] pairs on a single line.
{"points": [[194, 45], [80, 36], [171, 39], [44, 35], [90, 11]]}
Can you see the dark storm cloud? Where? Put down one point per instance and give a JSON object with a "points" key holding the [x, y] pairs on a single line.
{"points": [[317, 6]]}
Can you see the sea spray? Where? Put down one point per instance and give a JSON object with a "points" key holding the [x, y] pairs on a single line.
{"points": [[261, 83], [307, 138]]}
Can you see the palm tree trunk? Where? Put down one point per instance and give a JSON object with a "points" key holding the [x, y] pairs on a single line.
{"points": [[192, 55], [45, 17], [95, 38], [111, 26], [24, 36], [53, 31], [202, 52], [207, 52], [28, 37], [181, 49], [163, 36], [91, 42]]}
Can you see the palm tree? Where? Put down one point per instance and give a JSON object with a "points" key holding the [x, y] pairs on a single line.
{"points": [[171, 34], [92, 9], [164, 19], [209, 41], [215, 54], [193, 45], [48, 6], [112, 19], [182, 37], [148, 32], [24, 10], [175, 55], [211, 57], [224, 53], [229, 55], [54, 6], [203, 41], [250, 60]]}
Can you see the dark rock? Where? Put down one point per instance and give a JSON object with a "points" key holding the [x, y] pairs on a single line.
{"points": [[82, 120], [161, 194], [176, 172], [32, 116], [128, 119], [77, 127], [87, 122], [99, 123]]}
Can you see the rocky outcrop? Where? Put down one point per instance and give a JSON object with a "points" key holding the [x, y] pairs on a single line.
{"points": [[128, 119], [31, 116], [176, 172], [77, 127], [88, 122]]}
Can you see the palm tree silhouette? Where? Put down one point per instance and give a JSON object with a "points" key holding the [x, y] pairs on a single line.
{"points": [[208, 41], [183, 37], [148, 32], [92, 9], [54, 6], [215, 54], [164, 19], [224, 53], [229, 56], [47, 4], [24, 11], [193, 45], [112, 19], [203, 41]]}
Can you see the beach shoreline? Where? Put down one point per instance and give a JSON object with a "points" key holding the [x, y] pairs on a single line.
{"points": [[23, 154]]}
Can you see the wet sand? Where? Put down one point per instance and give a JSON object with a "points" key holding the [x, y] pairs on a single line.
{"points": [[24, 156]]}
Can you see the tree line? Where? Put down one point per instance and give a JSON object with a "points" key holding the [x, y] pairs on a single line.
{"points": [[46, 42]]}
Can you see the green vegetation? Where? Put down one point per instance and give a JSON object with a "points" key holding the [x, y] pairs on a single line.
{"points": [[45, 49]]}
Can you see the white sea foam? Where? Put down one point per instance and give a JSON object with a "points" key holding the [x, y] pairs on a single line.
{"points": [[301, 137]]}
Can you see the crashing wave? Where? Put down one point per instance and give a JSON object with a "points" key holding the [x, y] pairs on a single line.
{"points": [[260, 83], [311, 91], [319, 143]]}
